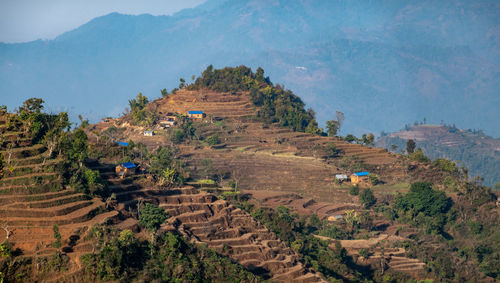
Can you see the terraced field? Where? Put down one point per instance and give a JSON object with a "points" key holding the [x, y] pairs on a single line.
{"points": [[203, 218], [33, 200], [276, 165], [269, 157]]}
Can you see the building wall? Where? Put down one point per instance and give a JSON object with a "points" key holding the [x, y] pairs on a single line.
{"points": [[360, 180], [198, 116]]}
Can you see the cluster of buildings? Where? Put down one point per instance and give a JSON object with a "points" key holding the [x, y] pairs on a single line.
{"points": [[170, 120], [358, 178]]}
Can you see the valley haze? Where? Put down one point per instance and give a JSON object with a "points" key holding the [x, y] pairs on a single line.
{"points": [[383, 63]]}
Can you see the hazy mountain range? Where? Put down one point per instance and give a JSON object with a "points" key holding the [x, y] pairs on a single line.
{"points": [[383, 63]]}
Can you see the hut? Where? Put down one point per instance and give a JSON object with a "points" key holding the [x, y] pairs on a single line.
{"points": [[170, 117], [196, 114], [341, 177], [167, 124], [124, 169], [360, 178], [149, 133]]}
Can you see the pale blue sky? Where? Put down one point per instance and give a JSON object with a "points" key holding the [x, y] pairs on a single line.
{"points": [[27, 20]]}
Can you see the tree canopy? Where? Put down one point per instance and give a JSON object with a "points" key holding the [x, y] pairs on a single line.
{"points": [[152, 216], [276, 103]]}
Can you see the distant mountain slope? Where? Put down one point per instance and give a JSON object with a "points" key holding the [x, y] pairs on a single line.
{"points": [[412, 59], [472, 149]]}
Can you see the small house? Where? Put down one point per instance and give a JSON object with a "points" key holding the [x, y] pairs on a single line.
{"points": [[171, 117], [196, 114], [167, 123], [341, 177], [360, 178], [149, 133], [124, 169]]}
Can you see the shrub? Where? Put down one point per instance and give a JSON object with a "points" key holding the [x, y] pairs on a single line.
{"points": [[428, 204], [419, 155], [177, 136], [151, 216], [446, 165], [364, 253], [354, 190], [374, 179], [331, 150], [57, 236], [213, 140], [367, 198]]}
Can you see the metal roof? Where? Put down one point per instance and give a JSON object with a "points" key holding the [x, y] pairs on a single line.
{"points": [[122, 143], [362, 173], [195, 112], [128, 165]]}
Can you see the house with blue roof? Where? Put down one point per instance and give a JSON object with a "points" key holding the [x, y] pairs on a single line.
{"points": [[360, 178], [196, 114], [124, 169]]}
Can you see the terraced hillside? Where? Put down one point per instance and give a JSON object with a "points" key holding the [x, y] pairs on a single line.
{"points": [[479, 153], [33, 200], [251, 135], [261, 156], [203, 218]]}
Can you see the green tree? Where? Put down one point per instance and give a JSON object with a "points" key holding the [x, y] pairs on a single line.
{"points": [[164, 93], [77, 150], [94, 182], [57, 236], [350, 138], [139, 113], [446, 165], [138, 103], [354, 190], [332, 150], [370, 139], [182, 83], [352, 219], [426, 203], [364, 139], [177, 136], [332, 127], [213, 140], [313, 128], [32, 105], [151, 217], [419, 155], [165, 168], [410, 146], [367, 198]]}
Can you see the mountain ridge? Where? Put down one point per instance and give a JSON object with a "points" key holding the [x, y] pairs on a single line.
{"points": [[357, 57], [479, 153]]}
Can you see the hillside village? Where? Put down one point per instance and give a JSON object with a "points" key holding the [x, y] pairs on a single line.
{"points": [[232, 174]]}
